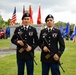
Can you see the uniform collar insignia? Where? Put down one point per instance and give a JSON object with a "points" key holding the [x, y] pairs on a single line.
{"points": [[22, 27], [53, 28], [46, 28], [29, 27]]}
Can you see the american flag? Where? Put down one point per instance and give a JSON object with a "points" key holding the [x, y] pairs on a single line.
{"points": [[13, 20]]}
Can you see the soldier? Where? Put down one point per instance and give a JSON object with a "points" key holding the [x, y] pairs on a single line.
{"points": [[50, 57], [29, 35]]}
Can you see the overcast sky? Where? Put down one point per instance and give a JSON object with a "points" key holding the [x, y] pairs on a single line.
{"points": [[62, 10]]}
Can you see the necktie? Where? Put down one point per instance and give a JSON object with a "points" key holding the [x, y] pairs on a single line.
{"points": [[49, 30], [26, 28]]}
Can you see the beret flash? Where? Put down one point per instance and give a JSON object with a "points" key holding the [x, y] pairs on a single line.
{"points": [[49, 16], [25, 15]]}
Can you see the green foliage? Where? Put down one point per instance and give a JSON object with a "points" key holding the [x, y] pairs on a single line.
{"points": [[63, 24], [59, 23], [7, 23], [2, 22]]}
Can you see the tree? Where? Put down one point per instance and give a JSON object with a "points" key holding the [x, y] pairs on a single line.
{"points": [[59, 23], [1, 21], [7, 23]]}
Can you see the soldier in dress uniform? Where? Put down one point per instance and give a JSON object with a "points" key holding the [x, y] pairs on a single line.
{"points": [[50, 57], [29, 35]]}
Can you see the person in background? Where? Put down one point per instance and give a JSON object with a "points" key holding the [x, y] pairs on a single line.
{"points": [[50, 56], [29, 35]]}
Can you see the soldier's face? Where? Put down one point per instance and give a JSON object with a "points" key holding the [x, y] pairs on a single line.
{"points": [[50, 22], [26, 21]]}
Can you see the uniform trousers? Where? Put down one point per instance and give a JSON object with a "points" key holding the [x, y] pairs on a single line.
{"points": [[54, 69], [29, 66]]}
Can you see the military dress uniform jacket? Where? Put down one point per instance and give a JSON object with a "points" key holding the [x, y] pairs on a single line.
{"points": [[29, 36], [53, 38]]}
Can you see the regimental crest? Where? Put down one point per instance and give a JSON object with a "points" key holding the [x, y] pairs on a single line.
{"points": [[54, 35], [30, 33]]}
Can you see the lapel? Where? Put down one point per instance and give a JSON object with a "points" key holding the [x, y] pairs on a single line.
{"points": [[30, 31], [46, 30], [29, 27]]}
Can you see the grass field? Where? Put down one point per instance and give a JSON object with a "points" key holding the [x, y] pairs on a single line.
{"points": [[8, 63], [5, 43]]}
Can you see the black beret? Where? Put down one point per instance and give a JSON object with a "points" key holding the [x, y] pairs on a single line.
{"points": [[49, 16], [25, 15]]}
